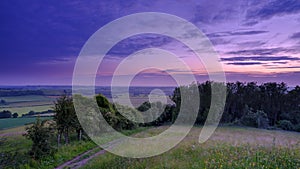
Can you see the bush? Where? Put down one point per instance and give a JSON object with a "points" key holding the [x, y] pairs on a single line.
{"points": [[262, 120], [297, 128], [285, 125], [12, 159], [40, 136], [249, 118]]}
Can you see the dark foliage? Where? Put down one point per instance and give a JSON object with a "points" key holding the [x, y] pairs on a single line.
{"points": [[249, 104], [40, 136], [5, 114]]}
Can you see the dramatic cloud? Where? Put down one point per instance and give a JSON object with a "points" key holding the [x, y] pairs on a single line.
{"points": [[279, 62], [41, 40], [261, 58], [236, 33], [251, 44], [219, 41], [296, 36], [244, 63], [138, 42], [274, 8], [264, 51]]}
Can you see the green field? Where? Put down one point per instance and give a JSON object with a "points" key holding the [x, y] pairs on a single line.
{"points": [[24, 110], [26, 98], [24, 104], [16, 122]]}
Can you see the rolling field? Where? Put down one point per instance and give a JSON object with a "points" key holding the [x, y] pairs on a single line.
{"points": [[26, 109], [229, 147], [16, 122], [24, 104], [26, 98]]}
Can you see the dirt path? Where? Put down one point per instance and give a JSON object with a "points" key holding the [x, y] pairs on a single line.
{"points": [[82, 159], [85, 157]]}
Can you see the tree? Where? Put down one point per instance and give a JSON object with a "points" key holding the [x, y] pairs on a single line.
{"points": [[113, 114], [64, 117], [5, 114], [40, 136], [15, 115]]}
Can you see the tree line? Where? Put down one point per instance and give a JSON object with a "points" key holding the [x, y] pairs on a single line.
{"points": [[268, 106]]}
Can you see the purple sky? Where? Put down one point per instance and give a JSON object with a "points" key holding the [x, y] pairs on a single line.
{"points": [[257, 40]]}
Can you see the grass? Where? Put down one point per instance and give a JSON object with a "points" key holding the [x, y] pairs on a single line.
{"points": [[62, 155], [229, 147], [12, 130], [17, 146], [16, 122], [14, 143], [69, 152]]}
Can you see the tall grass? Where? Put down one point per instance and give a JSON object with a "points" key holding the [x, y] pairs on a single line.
{"points": [[220, 156], [229, 147]]}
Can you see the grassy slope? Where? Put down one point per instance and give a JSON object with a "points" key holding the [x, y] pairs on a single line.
{"points": [[229, 147], [21, 145]]}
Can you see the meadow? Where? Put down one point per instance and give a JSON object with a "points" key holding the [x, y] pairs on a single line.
{"points": [[15, 147], [229, 147]]}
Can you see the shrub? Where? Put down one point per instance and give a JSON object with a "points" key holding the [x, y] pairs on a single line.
{"points": [[249, 118], [262, 120], [40, 136], [297, 128], [285, 125]]}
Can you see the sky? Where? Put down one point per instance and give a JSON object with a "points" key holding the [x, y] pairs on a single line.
{"points": [[257, 40]]}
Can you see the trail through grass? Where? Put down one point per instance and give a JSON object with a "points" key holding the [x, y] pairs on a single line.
{"points": [[229, 147]]}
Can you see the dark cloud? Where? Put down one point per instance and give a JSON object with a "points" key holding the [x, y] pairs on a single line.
{"points": [[138, 42], [219, 41], [251, 44], [212, 12], [244, 63], [236, 33], [295, 36], [250, 23], [280, 62], [271, 9], [261, 58], [263, 51]]}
